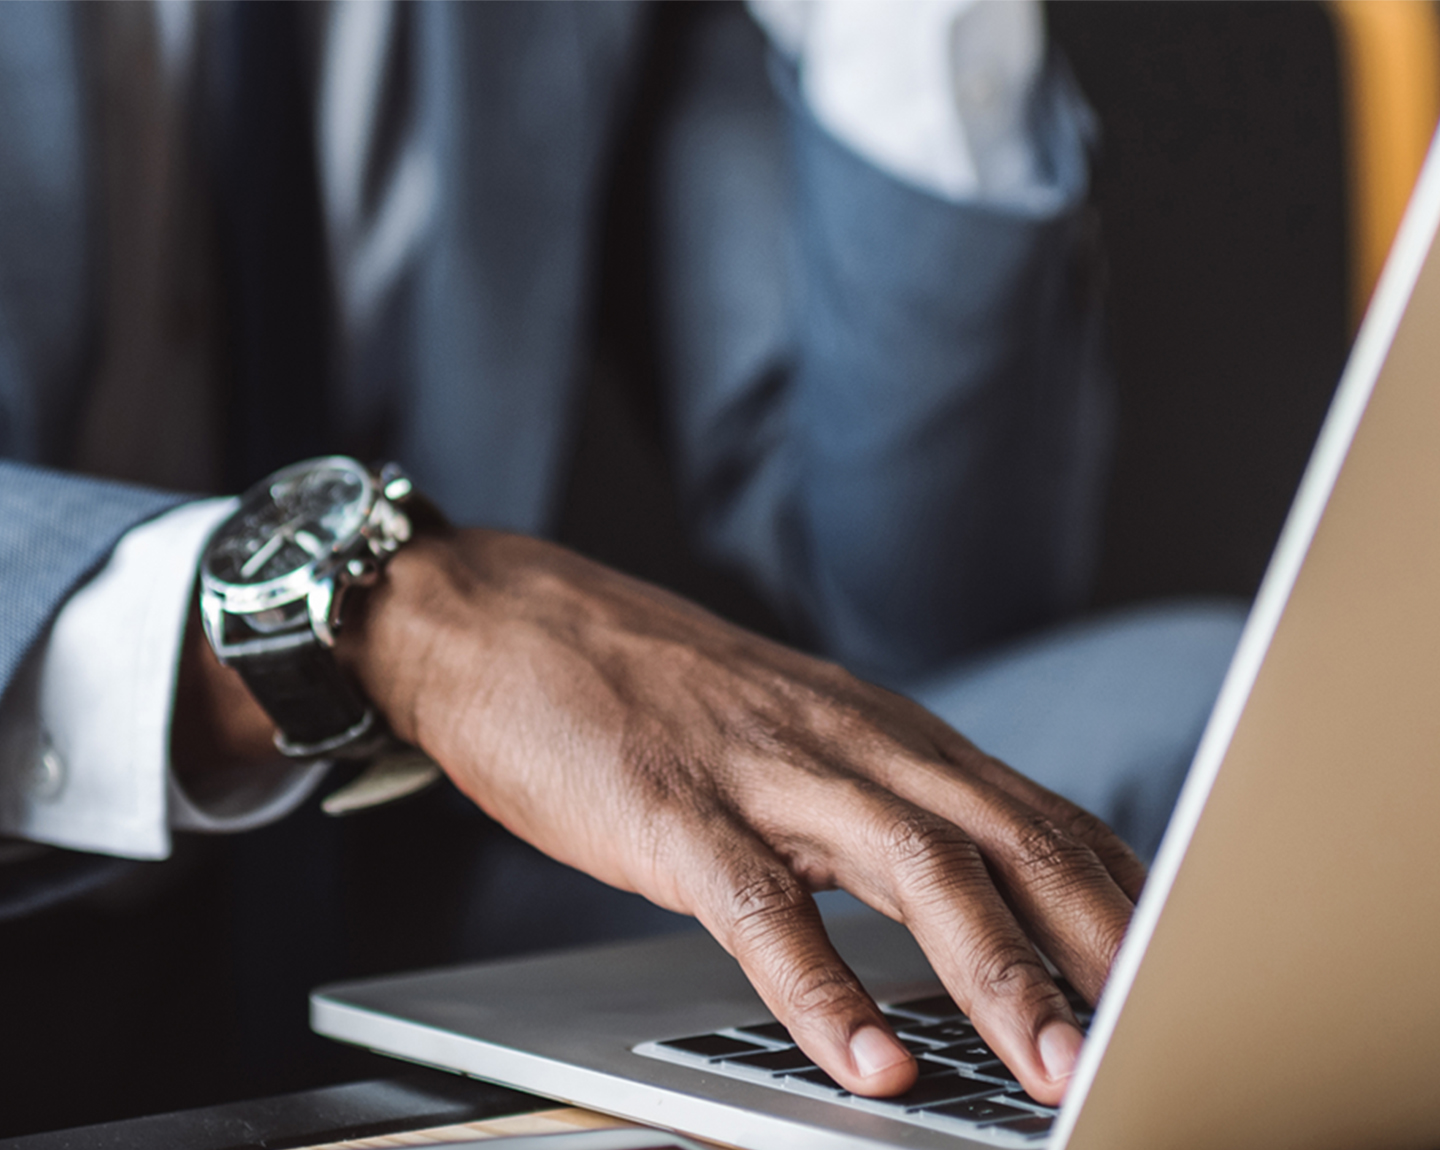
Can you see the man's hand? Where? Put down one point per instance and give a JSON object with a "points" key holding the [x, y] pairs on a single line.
{"points": [[633, 735]]}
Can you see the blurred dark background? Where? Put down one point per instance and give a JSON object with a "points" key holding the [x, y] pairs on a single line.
{"points": [[1220, 193]]}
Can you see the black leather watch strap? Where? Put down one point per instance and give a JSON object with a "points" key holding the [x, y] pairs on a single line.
{"points": [[304, 690], [273, 577]]}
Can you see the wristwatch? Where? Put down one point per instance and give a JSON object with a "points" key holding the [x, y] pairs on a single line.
{"points": [[274, 579]]}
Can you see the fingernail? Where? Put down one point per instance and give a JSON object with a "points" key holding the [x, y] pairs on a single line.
{"points": [[873, 1051], [1060, 1049]]}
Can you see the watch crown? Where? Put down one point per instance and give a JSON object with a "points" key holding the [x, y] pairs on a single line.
{"points": [[395, 483], [362, 571]]}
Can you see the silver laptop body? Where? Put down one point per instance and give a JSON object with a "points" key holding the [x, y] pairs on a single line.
{"points": [[1278, 987]]}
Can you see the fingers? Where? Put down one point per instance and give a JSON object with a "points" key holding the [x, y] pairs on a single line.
{"points": [[1060, 890], [882, 816], [925, 871], [948, 899], [1059, 887], [1124, 867], [1117, 857], [763, 916]]}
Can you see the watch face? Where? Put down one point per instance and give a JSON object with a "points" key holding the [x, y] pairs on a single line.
{"points": [[296, 517]]}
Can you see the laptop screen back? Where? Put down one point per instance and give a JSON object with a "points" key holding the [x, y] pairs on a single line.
{"points": [[1288, 993]]}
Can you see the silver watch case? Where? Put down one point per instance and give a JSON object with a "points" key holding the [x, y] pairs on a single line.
{"points": [[268, 609]]}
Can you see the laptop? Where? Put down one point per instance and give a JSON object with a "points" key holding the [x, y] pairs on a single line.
{"points": [[1280, 984]]}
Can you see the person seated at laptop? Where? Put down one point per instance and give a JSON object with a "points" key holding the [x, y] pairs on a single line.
{"points": [[885, 403]]}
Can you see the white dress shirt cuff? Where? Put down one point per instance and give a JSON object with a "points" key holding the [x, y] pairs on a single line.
{"points": [[85, 728]]}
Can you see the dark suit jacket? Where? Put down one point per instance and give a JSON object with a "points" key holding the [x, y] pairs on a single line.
{"points": [[886, 410]]}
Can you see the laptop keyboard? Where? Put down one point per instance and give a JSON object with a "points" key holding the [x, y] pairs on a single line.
{"points": [[963, 1087]]}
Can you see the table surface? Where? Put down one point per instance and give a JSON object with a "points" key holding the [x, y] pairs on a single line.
{"points": [[414, 1108], [353, 1114], [557, 1121]]}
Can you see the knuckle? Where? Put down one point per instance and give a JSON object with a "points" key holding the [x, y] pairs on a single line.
{"points": [[915, 838], [930, 859], [1012, 973], [913, 841], [834, 699], [1046, 852], [835, 720], [770, 922], [760, 900], [818, 990]]}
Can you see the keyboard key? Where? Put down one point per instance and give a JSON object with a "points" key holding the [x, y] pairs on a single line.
{"points": [[982, 1110], [916, 1047], [772, 1030], [1035, 1124], [961, 1079], [928, 1068], [936, 1006], [776, 1061], [997, 1069], [938, 1033], [919, 1043], [940, 1088], [1021, 1096], [974, 1053], [817, 1078], [713, 1046]]}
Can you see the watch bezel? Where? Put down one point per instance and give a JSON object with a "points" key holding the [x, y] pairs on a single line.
{"points": [[296, 584]]}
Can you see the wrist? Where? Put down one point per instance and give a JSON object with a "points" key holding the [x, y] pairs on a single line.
{"points": [[393, 638], [275, 581]]}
